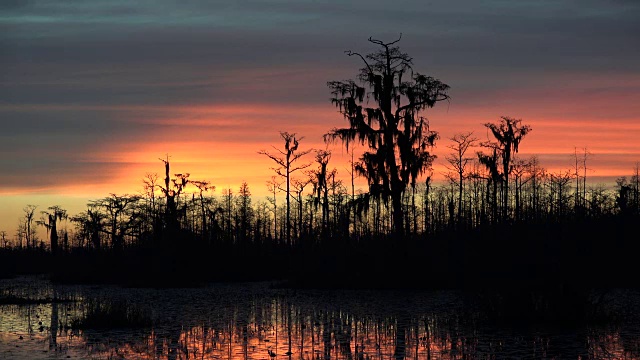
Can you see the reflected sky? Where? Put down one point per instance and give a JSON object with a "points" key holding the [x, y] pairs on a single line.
{"points": [[253, 321]]}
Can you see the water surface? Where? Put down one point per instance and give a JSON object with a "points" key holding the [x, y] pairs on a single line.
{"points": [[257, 321]]}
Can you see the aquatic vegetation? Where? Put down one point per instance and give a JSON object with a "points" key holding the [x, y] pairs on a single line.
{"points": [[112, 314]]}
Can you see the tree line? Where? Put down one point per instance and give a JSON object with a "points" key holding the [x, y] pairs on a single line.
{"points": [[487, 183], [321, 207]]}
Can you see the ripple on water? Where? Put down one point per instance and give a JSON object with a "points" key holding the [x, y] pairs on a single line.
{"points": [[252, 321]]}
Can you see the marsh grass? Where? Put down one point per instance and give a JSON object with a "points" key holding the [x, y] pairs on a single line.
{"points": [[17, 300], [112, 315], [33, 296]]}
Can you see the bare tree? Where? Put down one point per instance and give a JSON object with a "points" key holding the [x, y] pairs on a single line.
{"points": [[228, 197], [581, 180], [397, 136], [273, 186], [246, 212], [559, 193], [299, 186], [203, 186], [285, 161], [29, 230], [459, 161]]}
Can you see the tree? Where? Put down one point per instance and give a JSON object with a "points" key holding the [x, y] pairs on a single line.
{"points": [[203, 186], [171, 193], [3, 236], [581, 181], [392, 128], [121, 216], [246, 212], [91, 223], [459, 161], [298, 186], [29, 230], [50, 220], [150, 183], [285, 160], [273, 186], [227, 196], [321, 187], [352, 207], [508, 133], [490, 162]]}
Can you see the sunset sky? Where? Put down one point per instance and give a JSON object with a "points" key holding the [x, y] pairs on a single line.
{"points": [[93, 93]]}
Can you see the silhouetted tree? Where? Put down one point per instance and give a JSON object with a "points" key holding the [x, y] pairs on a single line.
{"points": [[508, 133], [352, 202], [581, 180], [519, 169], [494, 179], [150, 182], [91, 224], [203, 186], [121, 220], [536, 189], [245, 211], [635, 185], [172, 189], [285, 160], [298, 187], [624, 198], [559, 194], [228, 209], [29, 231], [459, 161], [273, 186], [321, 187], [393, 130], [49, 221]]}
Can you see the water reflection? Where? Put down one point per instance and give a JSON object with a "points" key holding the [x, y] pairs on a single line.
{"points": [[256, 322]]}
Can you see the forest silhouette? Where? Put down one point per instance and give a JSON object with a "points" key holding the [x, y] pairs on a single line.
{"points": [[497, 222]]}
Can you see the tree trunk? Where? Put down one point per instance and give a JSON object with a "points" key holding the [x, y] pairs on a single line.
{"points": [[54, 234]]}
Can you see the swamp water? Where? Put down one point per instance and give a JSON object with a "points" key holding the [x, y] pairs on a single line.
{"points": [[39, 320]]}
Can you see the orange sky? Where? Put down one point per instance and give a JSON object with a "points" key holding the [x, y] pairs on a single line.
{"points": [[220, 144]]}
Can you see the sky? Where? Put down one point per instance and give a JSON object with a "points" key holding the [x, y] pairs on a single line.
{"points": [[93, 93]]}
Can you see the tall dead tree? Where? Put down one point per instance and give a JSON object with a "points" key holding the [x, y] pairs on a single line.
{"points": [[298, 186], [321, 187], [29, 231], [459, 161], [273, 186], [285, 161], [172, 189], [203, 186]]}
